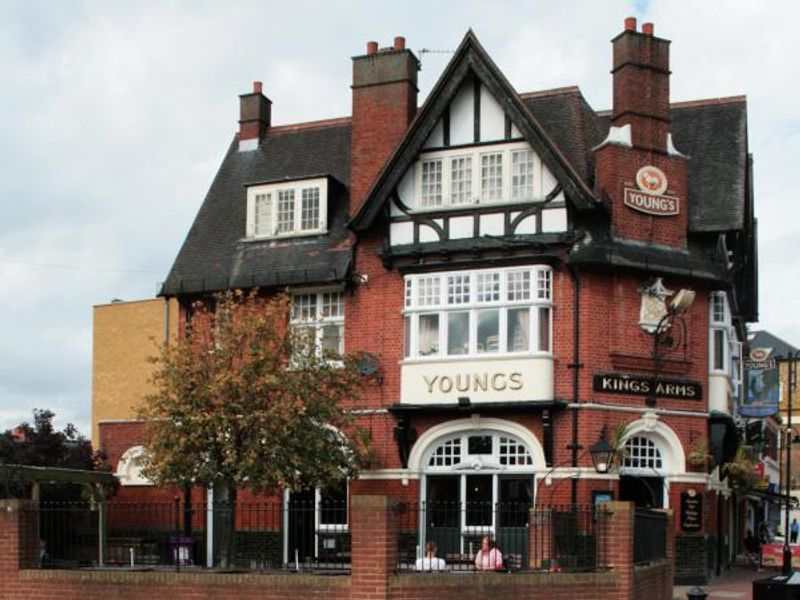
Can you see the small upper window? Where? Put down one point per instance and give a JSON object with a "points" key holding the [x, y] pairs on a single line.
{"points": [[289, 209]]}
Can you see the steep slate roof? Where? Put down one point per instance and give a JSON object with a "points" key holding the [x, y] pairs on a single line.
{"points": [[215, 255], [764, 339], [559, 123], [713, 133]]}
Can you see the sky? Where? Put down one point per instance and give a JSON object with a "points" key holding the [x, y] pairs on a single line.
{"points": [[114, 117]]}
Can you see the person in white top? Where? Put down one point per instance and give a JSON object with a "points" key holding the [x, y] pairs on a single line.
{"points": [[430, 562], [488, 558]]}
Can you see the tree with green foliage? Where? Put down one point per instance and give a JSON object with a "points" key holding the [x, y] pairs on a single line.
{"points": [[41, 445], [243, 401]]}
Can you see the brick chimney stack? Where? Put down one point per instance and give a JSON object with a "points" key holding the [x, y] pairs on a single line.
{"points": [[384, 103], [255, 116], [640, 176], [641, 85]]}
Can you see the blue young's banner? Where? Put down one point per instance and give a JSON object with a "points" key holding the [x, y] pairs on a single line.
{"points": [[762, 384]]}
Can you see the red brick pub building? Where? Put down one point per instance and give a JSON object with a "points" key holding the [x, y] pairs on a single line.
{"points": [[523, 266]]}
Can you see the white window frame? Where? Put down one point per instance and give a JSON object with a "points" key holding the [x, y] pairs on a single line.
{"points": [[488, 464], [476, 154], [274, 189], [322, 527], [418, 304], [720, 325], [318, 321]]}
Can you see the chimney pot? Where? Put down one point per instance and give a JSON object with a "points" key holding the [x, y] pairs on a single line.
{"points": [[257, 87], [372, 48], [630, 24], [399, 43], [647, 28]]}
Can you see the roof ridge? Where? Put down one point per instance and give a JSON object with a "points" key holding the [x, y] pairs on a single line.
{"points": [[709, 101], [309, 125], [721, 100], [570, 89]]}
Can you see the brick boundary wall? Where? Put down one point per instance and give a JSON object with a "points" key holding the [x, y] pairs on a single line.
{"points": [[374, 546]]}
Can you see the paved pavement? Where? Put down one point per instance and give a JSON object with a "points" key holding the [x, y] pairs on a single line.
{"points": [[735, 584]]}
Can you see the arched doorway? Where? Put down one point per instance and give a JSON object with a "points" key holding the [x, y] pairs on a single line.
{"points": [[476, 480], [641, 478]]}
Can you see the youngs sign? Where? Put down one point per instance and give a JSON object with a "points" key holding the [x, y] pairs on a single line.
{"points": [[650, 196]]}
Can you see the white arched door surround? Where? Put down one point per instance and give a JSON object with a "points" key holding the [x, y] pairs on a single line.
{"points": [[426, 442], [652, 449]]}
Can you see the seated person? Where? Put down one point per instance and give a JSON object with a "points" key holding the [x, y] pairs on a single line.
{"points": [[430, 562], [752, 547], [489, 557]]}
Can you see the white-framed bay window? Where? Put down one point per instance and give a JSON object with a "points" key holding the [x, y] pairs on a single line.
{"points": [[503, 173], [318, 316], [287, 209], [478, 313], [721, 336]]}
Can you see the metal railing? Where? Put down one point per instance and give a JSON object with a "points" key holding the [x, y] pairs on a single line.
{"points": [[649, 536], [546, 539], [266, 535]]}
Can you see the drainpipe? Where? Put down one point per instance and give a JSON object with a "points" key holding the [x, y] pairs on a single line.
{"points": [[575, 366]]}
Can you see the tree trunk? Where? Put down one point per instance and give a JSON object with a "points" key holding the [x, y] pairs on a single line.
{"points": [[226, 518]]}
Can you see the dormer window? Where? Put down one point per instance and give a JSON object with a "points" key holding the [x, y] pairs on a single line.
{"points": [[287, 209]]}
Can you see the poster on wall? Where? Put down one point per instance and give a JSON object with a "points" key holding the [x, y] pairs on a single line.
{"points": [[762, 384]]}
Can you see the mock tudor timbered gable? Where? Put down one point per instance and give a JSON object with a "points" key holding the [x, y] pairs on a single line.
{"points": [[475, 175]]}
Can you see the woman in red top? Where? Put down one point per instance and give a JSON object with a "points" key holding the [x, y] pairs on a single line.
{"points": [[488, 558]]}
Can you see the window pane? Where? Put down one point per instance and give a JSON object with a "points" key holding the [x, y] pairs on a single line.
{"points": [[458, 289], [516, 498], [719, 350], [304, 307], [431, 183], [428, 291], [518, 284], [443, 504], [309, 217], [285, 211], [461, 180], [305, 340], [458, 333], [519, 329], [407, 323], [479, 444], [333, 504], [543, 284], [522, 175], [332, 305], [429, 335], [492, 177], [409, 291], [488, 331], [332, 339], [479, 500], [544, 329], [488, 287], [262, 215]]}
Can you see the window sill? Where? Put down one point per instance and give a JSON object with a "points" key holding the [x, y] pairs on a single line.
{"points": [[285, 236], [475, 358], [476, 206]]}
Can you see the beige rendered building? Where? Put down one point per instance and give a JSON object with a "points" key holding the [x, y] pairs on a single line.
{"points": [[125, 336]]}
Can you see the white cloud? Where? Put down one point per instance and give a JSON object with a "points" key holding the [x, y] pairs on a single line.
{"points": [[115, 116]]}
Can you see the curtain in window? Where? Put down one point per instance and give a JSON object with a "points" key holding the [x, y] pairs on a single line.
{"points": [[519, 328], [428, 335]]}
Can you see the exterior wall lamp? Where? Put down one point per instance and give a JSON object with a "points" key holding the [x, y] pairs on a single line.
{"points": [[602, 454], [663, 341]]}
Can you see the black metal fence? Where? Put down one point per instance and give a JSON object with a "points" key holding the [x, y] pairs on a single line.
{"points": [[547, 539], [649, 536], [265, 535]]}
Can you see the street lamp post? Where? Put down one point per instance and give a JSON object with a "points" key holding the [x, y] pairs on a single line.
{"points": [[787, 549]]}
